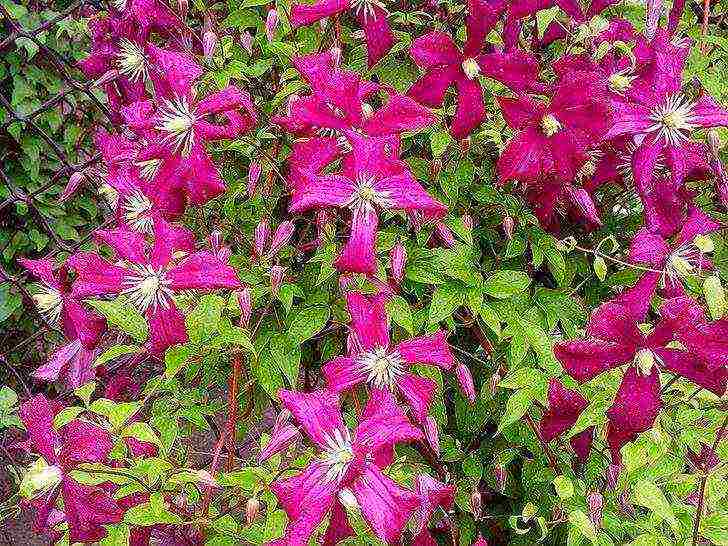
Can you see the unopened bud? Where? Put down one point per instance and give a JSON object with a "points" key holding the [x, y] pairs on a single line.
{"points": [[276, 278], [476, 502], [445, 235], [465, 378], [595, 503], [508, 225], [493, 383], [271, 24], [624, 505], [254, 171], [613, 471], [398, 260], [183, 7], [216, 240], [260, 237], [500, 475], [246, 306], [467, 221], [246, 40], [209, 44], [252, 508], [432, 434], [281, 237], [74, 181]]}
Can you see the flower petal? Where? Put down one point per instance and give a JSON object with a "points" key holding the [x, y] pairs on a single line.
{"points": [[128, 245], [339, 527], [305, 14], [377, 33], [166, 328], [648, 248], [407, 194], [432, 494], [418, 392], [708, 113], [58, 361], [88, 509], [400, 114], [470, 111], [430, 89], [585, 359], [316, 412], [359, 255], [37, 415], [693, 368], [83, 442], [431, 350], [435, 48], [369, 320], [202, 271], [343, 373], [95, 276], [315, 191], [514, 69]]}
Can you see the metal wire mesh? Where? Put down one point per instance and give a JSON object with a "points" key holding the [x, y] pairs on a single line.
{"points": [[48, 113]]}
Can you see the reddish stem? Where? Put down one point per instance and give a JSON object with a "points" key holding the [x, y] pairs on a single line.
{"points": [[704, 28], [233, 410]]}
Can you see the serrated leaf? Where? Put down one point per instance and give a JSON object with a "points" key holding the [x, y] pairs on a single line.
{"points": [[445, 300], [506, 283], [121, 313], [399, 311], [306, 322]]}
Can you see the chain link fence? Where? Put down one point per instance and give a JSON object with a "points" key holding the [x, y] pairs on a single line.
{"points": [[48, 113]]}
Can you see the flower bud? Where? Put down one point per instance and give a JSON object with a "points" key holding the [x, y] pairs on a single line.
{"points": [[467, 221], [398, 260], [252, 508], [246, 306], [624, 505], [281, 237], [183, 7], [476, 502], [432, 434], [254, 171], [501, 476], [613, 471], [260, 237], [271, 24], [209, 44], [74, 181], [246, 40], [508, 225], [445, 235], [493, 383], [465, 378], [595, 503], [276, 278]]}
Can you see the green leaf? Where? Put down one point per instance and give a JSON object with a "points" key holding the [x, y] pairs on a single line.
{"points": [[287, 356], [66, 415], [600, 268], [399, 311], [564, 487], [122, 314], [516, 407], [151, 513], [84, 393], [439, 141], [118, 535], [445, 300], [114, 352], [583, 524], [203, 321], [714, 296], [647, 494], [142, 432], [175, 358], [505, 283], [307, 322]]}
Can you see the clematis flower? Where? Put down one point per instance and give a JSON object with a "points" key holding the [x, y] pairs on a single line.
{"points": [[150, 277], [371, 15], [145, 16], [615, 339], [445, 65], [375, 361], [678, 260], [565, 406], [86, 508], [433, 495], [662, 116], [367, 182], [347, 468], [551, 140]]}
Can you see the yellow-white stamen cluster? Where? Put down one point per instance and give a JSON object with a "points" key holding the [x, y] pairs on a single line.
{"points": [[383, 368], [673, 120], [177, 119], [147, 287], [337, 455]]}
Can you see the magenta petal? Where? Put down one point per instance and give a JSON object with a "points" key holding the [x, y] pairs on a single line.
{"points": [[648, 248], [128, 245], [407, 194], [693, 368], [202, 179], [465, 380], [581, 444], [84, 443], [43, 270], [202, 271], [521, 111], [584, 202], [166, 328], [358, 255], [316, 412], [435, 48], [697, 223], [178, 71], [87, 510], [431, 350], [584, 360], [634, 410], [432, 494], [378, 35], [430, 89], [644, 161], [305, 14], [470, 110], [382, 425], [283, 436], [343, 373], [418, 391], [629, 119], [635, 303], [339, 527], [369, 320], [321, 191], [59, 359], [524, 157], [82, 323], [515, 69], [385, 505], [565, 406], [168, 239], [96, 276], [37, 416], [708, 113], [399, 114], [81, 370]]}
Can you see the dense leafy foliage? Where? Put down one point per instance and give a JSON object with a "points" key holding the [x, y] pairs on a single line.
{"points": [[430, 273]]}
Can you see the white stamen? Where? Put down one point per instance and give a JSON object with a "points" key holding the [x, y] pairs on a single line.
{"points": [[177, 120], [49, 303], [149, 168], [132, 60], [367, 196], [620, 81], [147, 287], [673, 120], [136, 212], [471, 68], [338, 455], [383, 368], [550, 125], [367, 8], [119, 4]]}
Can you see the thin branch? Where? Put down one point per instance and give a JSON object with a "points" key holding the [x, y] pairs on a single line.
{"points": [[703, 482]]}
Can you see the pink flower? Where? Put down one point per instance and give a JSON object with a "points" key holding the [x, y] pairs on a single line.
{"points": [[347, 469], [150, 276], [368, 181], [373, 359], [445, 65], [86, 508], [565, 406], [433, 495], [371, 15]]}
